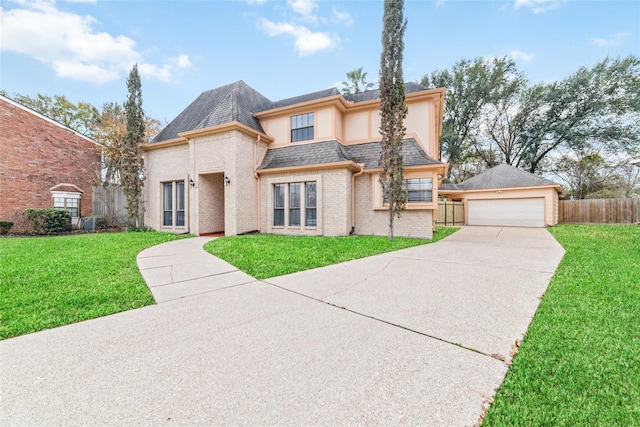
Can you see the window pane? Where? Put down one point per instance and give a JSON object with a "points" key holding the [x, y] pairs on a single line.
{"points": [[180, 218], [168, 190], [294, 217], [419, 190], [180, 195], [278, 217], [278, 205], [310, 217], [168, 203], [294, 195], [310, 192], [302, 127], [278, 195]]}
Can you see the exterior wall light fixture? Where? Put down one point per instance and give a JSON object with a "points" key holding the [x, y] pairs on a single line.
{"points": [[227, 181]]}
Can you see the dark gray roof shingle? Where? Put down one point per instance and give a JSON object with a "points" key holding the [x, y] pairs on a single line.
{"points": [[237, 102], [304, 154], [369, 95], [305, 98], [501, 176], [234, 102], [325, 152]]}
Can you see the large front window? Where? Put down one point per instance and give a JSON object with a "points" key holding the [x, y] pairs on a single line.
{"points": [[173, 212], [302, 127], [294, 201]]}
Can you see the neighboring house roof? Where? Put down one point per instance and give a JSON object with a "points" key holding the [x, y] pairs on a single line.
{"points": [[501, 176], [235, 102], [332, 151]]}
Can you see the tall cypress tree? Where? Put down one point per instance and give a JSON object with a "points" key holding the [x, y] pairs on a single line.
{"points": [[132, 164], [392, 109]]}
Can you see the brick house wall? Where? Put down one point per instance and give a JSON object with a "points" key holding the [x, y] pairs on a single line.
{"points": [[37, 153]]}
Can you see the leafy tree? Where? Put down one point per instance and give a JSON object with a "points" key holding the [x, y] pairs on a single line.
{"points": [[110, 131], [598, 105], [392, 109], [357, 82], [470, 86], [131, 161], [80, 117]]}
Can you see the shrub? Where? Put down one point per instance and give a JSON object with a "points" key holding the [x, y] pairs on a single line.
{"points": [[49, 220], [5, 226]]}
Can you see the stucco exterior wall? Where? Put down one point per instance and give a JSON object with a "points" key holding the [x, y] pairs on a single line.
{"points": [[333, 202], [37, 154], [167, 164], [412, 223]]}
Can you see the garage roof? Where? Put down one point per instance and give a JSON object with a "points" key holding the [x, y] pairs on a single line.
{"points": [[501, 176]]}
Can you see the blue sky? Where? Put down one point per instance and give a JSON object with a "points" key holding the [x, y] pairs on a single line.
{"points": [[83, 49]]}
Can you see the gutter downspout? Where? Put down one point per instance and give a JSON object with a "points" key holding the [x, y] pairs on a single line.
{"points": [[257, 177], [353, 198]]}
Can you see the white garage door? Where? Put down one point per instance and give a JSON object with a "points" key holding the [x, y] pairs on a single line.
{"points": [[507, 212]]}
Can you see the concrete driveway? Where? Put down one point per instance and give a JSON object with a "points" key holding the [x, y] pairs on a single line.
{"points": [[420, 336]]}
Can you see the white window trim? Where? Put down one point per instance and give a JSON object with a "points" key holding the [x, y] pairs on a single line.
{"points": [[69, 195]]}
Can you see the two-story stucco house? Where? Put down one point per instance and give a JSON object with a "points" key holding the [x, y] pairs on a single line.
{"points": [[235, 162]]}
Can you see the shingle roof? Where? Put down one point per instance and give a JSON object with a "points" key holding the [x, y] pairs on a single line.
{"points": [[501, 176], [305, 98], [332, 151], [235, 102], [369, 95]]}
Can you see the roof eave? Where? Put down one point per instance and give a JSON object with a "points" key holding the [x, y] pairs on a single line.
{"points": [[322, 166], [337, 100], [224, 128]]}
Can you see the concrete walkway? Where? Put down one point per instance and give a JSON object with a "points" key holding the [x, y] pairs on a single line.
{"points": [[414, 337]]}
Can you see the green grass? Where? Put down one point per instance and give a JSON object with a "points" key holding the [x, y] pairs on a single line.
{"points": [[263, 255], [52, 281], [579, 363]]}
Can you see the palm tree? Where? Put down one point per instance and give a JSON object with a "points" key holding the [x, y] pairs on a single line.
{"points": [[357, 82]]}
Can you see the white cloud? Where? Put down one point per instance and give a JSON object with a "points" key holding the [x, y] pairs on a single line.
{"points": [[338, 17], [539, 6], [69, 44], [613, 41], [306, 41], [520, 55], [258, 2], [305, 9]]}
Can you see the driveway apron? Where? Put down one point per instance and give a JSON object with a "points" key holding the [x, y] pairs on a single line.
{"points": [[414, 337]]}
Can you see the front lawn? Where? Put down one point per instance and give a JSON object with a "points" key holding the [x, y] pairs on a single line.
{"points": [[52, 281], [266, 255], [579, 363]]}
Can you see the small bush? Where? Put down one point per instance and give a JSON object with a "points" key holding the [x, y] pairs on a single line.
{"points": [[49, 220], [5, 226]]}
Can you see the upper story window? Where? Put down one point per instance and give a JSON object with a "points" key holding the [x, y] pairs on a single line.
{"points": [[302, 127]]}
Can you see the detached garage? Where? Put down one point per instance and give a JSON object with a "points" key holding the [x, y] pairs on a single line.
{"points": [[507, 196]]}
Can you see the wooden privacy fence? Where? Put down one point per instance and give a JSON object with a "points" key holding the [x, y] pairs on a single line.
{"points": [[450, 213], [600, 211], [110, 203]]}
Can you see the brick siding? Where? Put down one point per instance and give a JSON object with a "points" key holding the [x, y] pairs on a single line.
{"points": [[37, 154]]}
